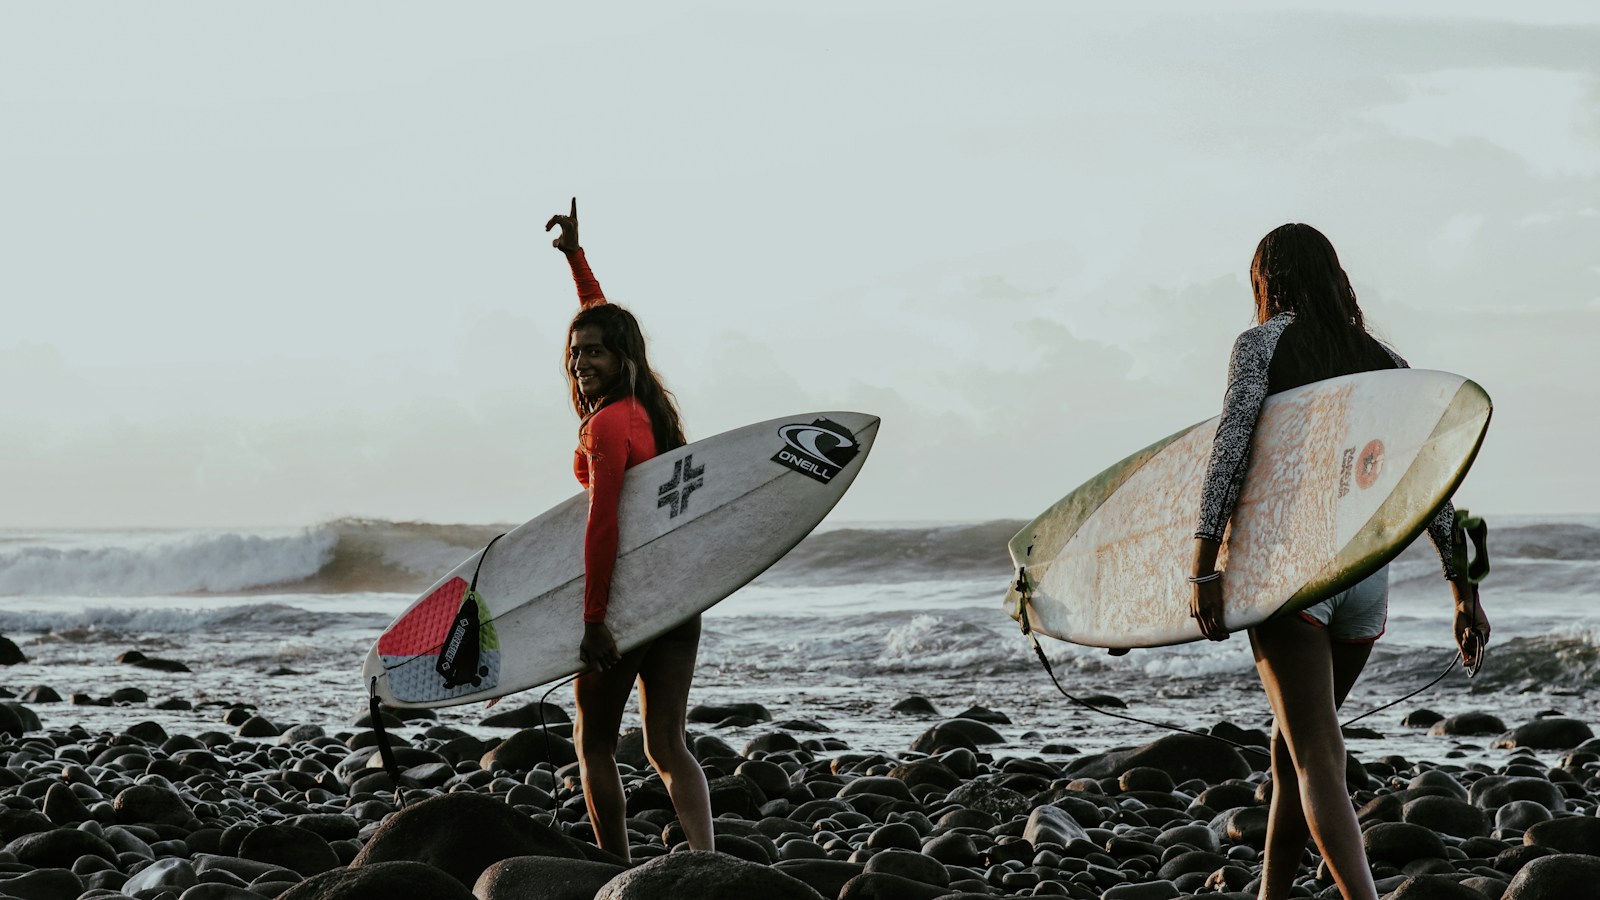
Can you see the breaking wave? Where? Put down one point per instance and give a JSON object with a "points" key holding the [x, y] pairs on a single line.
{"points": [[365, 555]]}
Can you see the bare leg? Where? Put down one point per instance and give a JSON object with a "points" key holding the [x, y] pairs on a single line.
{"points": [[1306, 675], [600, 698], [1287, 832], [664, 678]]}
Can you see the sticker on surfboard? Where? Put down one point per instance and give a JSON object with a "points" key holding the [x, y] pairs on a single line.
{"points": [[445, 646], [818, 450]]}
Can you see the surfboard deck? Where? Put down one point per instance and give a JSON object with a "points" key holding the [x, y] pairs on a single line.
{"points": [[1343, 475], [695, 525]]}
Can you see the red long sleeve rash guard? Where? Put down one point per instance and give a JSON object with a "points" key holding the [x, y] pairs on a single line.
{"points": [[615, 439], [612, 441]]}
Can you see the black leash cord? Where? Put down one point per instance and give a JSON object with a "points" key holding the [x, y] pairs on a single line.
{"points": [[1039, 651], [545, 728], [1377, 709], [1027, 629], [385, 752]]}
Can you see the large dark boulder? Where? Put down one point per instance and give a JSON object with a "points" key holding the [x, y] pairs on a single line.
{"points": [[1568, 834], [713, 714], [151, 804], [59, 848], [15, 823], [544, 878], [926, 771], [380, 881], [1471, 723], [1495, 791], [41, 693], [704, 876], [1447, 815], [10, 654], [10, 723], [1241, 825], [17, 720], [463, 834], [884, 886], [63, 807], [1398, 843], [43, 884], [1562, 876], [296, 849], [737, 795], [1182, 756], [1434, 783], [975, 731], [1432, 887], [529, 747], [1552, 733], [135, 658], [827, 876], [1002, 803], [909, 864], [527, 716], [915, 706]]}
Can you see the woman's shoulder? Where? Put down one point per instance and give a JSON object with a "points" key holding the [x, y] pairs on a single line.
{"points": [[1256, 343], [619, 415], [1268, 330]]}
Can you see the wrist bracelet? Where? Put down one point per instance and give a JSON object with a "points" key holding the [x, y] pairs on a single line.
{"points": [[1202, 579]]}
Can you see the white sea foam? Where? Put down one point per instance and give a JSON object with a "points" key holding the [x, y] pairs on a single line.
{"points": [[164, 564]]}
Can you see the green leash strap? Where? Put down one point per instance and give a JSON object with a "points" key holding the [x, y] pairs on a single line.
{"points": [[1470, 529]]}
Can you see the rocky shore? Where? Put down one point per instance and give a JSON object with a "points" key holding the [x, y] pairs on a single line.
{"points": [[255, 809]]}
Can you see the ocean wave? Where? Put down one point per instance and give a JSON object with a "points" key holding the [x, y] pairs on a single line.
{"points": [[100, 623], [360, 555], [876, 555], [347, 555], [180, 564]]}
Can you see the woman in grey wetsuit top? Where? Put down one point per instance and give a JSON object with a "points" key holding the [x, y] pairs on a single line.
{"points": [[1309, 328]]}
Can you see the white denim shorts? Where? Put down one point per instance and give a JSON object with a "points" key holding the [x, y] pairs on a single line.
{"points": [[1357, 614]]}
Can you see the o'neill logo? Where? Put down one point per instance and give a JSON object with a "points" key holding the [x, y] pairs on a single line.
{"points": [[818, 450]]}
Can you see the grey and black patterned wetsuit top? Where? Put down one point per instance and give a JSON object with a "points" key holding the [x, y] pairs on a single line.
{"points": [[1249, 383]]}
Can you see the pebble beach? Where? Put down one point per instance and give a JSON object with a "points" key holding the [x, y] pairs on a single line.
{"points": [[216, 745]]}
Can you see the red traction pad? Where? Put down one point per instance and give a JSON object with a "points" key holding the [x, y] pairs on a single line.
{"points": [[422, 630]]}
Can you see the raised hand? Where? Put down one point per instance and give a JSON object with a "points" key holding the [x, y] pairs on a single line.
{"points": [[567, 240]]}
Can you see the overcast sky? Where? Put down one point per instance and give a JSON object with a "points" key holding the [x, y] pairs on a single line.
{"points": [[280, 263]]}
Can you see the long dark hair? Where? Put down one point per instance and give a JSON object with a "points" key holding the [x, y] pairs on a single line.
{"points": [[620, 333], [1296, 270]]}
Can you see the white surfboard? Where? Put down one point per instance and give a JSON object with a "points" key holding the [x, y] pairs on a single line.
{"points": [[695, 525], [1343, 475]]}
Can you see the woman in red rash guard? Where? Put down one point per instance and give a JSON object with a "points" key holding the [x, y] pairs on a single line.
{"points": [[627, 417]]}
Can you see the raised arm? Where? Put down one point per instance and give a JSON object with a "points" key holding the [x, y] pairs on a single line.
{"points": [[589, 293]]}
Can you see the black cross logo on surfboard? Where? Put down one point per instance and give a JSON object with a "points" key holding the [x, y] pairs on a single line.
{"points": [[686, 476]]}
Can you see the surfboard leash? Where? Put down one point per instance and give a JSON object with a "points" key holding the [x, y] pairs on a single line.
{"points": [[385, 752], [544, 727], [1038, 650], [1468, 529]]}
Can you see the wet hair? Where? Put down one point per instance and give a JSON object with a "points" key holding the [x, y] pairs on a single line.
{"points": [[620, 334], [1296, 270]]}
